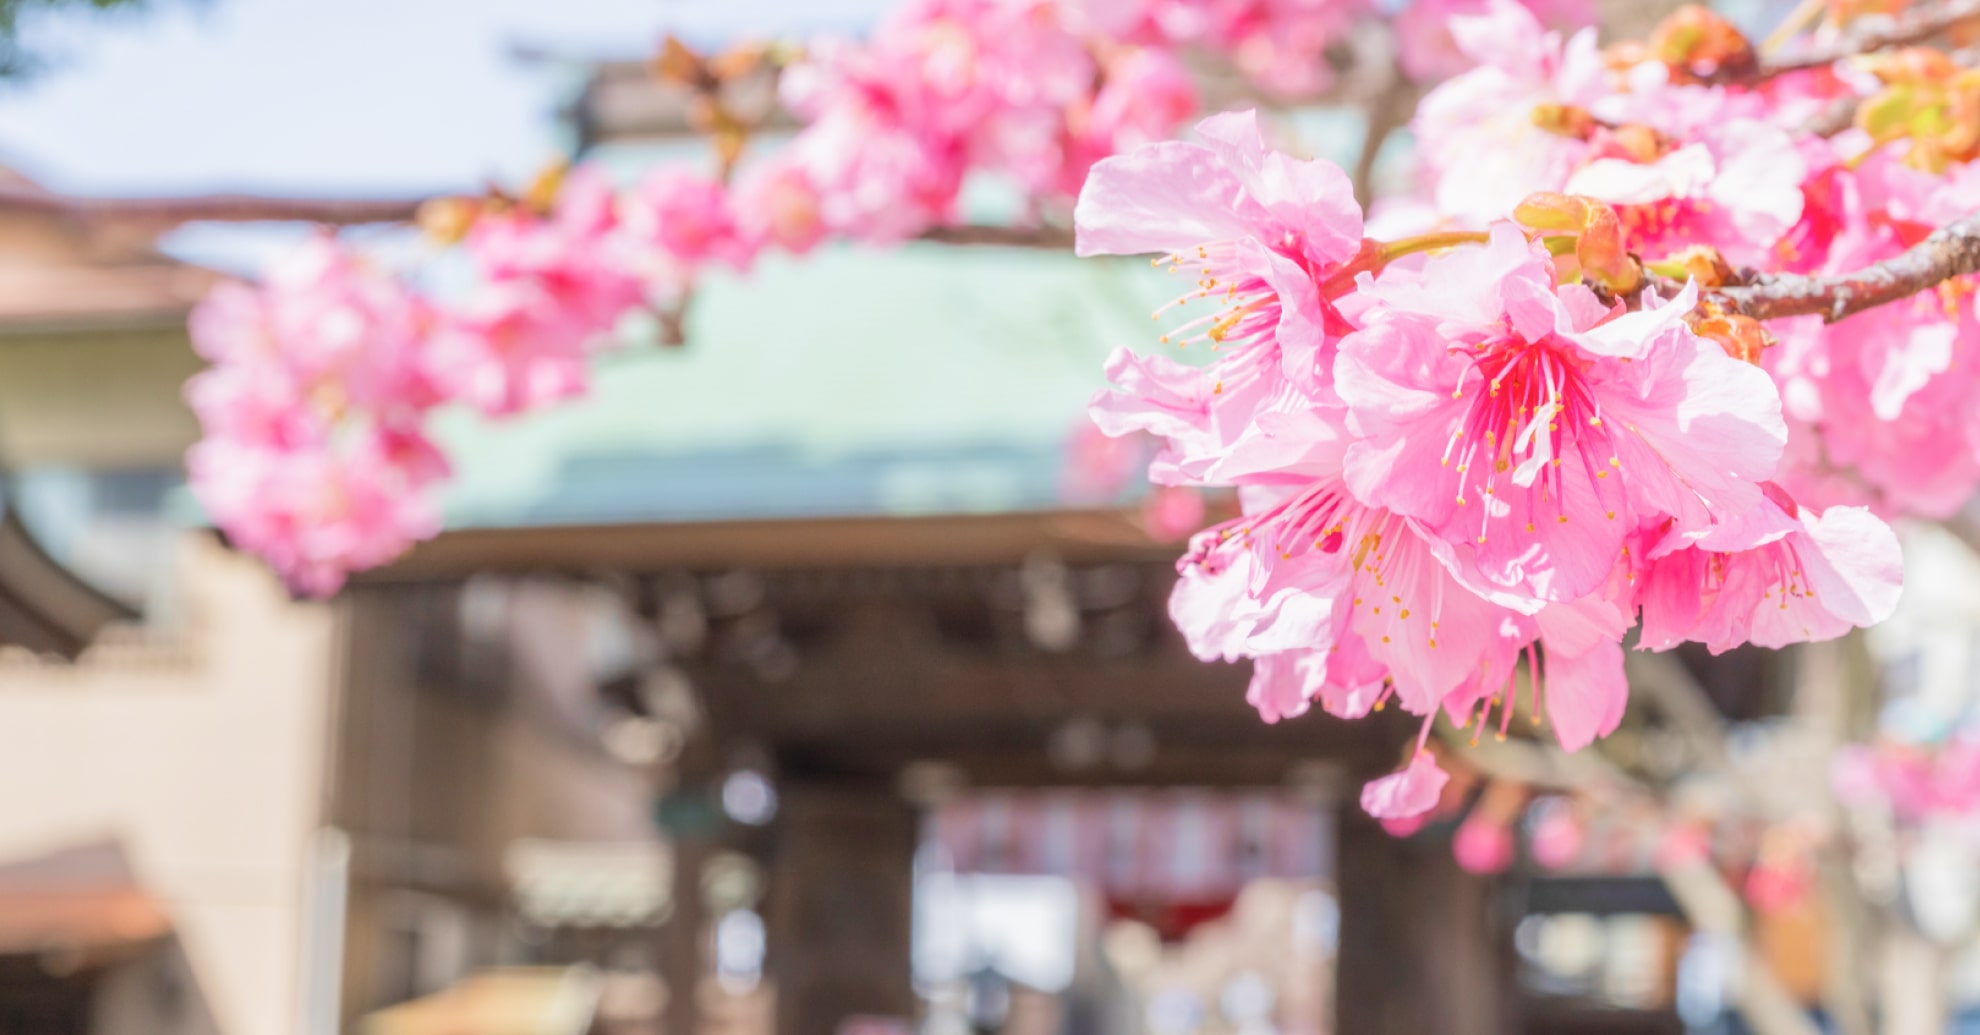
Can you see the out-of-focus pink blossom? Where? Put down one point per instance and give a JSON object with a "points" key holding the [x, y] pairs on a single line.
{"points": [[1098, 466], [1736, 187], [312, 456], [1508, 127], [686, 217], [777, 206], [575, 256], [1171, 512], [1557, 837], [1483, 844], [1782, 875], [1405, 827], [316, 514], [1915, 782], [1429, 50], [1684, 844], [1411, 792], [509, 347]]}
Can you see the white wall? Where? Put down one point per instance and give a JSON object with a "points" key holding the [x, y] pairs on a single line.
{"points": [[201, 753]]}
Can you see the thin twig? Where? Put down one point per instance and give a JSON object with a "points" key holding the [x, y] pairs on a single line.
{"points": [[1660, 678], [1951, 251], [1389, 111]]}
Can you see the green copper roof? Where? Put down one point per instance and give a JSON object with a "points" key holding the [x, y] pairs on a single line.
{"points": [[918, 379]]}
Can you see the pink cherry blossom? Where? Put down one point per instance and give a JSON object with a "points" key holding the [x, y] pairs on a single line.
{"points": [[1736, 186], [1098, 466], [1411, 792], [1557, 838], [575, 258], [1260, 232], [777, 205], [312, 456], [1779, 883], [316, 514], [1483, 845], [1172, 512], [1810, 577], [686, 217], [1684, 844], [509, 347], [1532, 428], [1883, 391], [1482, 148], [323, 319], [1429, 50], [1346, 680], [1329, 573], [1916, 782]]}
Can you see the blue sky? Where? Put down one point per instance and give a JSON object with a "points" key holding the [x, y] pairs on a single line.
{"points": [[352, 97]]}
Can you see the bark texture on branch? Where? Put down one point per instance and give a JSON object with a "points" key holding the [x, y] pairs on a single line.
{"points": [[1920, 25], [233, 208], [1951, 251], [1003, 236]]}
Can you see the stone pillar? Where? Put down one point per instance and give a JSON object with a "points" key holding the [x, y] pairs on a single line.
{"points": [[1424, 946], [840, 907]]}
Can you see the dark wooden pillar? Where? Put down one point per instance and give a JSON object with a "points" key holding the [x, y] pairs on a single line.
{"points": [[683, 939], [1424, 946], [840, 909]]}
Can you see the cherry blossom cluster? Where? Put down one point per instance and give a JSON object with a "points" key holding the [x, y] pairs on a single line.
{"points": [[1474, 457], [1912, 783], [313, 455]]}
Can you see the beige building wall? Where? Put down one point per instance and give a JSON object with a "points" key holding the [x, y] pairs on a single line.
{"points": [[201, 753]]}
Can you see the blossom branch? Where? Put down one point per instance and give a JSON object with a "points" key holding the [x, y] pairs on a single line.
{"points": [[1951, 251], [1915, 27]]}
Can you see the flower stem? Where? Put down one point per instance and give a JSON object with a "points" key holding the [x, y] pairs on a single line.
{"points": [[1400, 247]]}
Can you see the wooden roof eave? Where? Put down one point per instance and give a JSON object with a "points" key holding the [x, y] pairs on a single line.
{"points": [[1073, 536]]}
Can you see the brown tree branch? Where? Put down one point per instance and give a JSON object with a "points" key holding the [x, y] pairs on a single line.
{"points": [[1055, 237], [1389, 111], [1951, 251], [164, 213], [1920, 25]]}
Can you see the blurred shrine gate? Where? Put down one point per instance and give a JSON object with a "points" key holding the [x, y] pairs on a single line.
{"points": [[867, 664]]}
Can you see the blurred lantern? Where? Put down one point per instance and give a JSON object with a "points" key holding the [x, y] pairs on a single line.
{"points": [[1051, 615], [749, 798]]}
